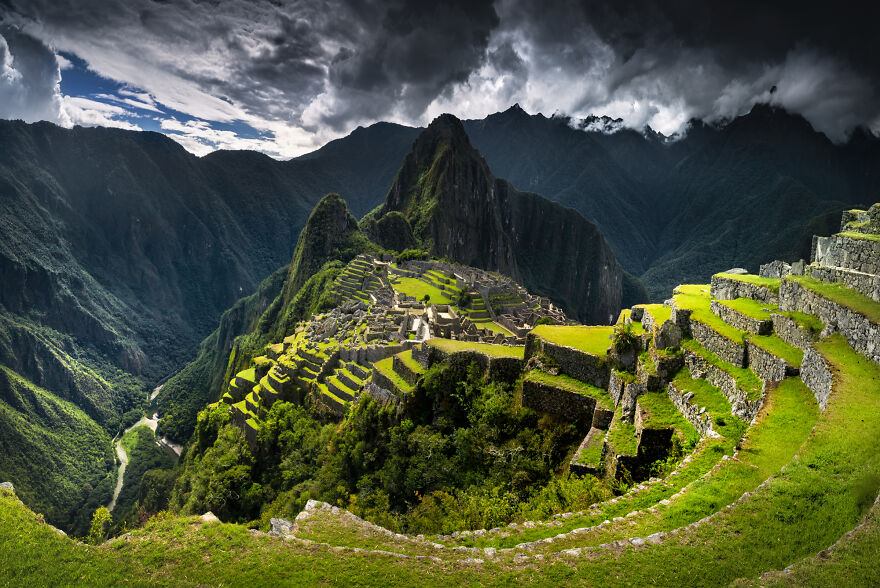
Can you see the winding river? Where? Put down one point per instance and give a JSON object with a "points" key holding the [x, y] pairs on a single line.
{"points": [[123, 456]]}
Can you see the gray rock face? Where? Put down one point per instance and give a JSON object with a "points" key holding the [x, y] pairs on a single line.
{"points": [[7, 486], [280, 527]]}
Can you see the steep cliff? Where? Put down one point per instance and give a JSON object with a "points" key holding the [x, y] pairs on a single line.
{"points": [[458, 209]]}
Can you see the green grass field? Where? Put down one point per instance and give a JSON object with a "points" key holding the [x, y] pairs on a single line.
{"points": [[418, 289], [593, 340], [450, 346]]}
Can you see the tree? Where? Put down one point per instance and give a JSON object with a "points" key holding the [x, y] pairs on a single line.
{"points": [[426, 298], [101, 522]]}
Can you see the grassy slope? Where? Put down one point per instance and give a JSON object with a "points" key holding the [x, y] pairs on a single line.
{"points": [[61, 461]]}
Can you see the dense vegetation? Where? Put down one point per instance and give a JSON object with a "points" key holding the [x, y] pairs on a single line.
{"points": [[461, 454]]}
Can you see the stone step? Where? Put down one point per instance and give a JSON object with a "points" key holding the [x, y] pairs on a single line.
{"points": [[349, 379], [358, 370]]}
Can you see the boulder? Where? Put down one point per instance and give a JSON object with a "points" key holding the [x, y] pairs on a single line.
{"points": [[7, 486], [737, 271], [209, 517], [280, 527], [775, 269]]}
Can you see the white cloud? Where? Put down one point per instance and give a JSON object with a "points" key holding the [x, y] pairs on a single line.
{"points": [[92, 113]]}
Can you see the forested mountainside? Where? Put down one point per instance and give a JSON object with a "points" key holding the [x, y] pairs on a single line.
{"points": [[119, 252]]}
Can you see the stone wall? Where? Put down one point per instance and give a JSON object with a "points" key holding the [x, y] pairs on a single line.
{"points": [[727, 349], [409, 376], [729, 289], [381, 395], [616, 385], [767, 366], [629, 400], [696, 415], [563, 403], [861, 334], [867, 284], [817, 376], [862, 255], [682, 318], [740, 404], [741, 321], [791, 332], [382, 381], [578, 364], [602, 417]]}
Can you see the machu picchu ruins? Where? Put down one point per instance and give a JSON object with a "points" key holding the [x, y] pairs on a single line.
{"points": [[699, 366]]}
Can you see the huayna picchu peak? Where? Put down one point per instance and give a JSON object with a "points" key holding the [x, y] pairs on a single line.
{"points": [[457, 209]]}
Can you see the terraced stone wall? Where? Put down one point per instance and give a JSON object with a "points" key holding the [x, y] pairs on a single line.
{"points": [[767, 366], [700, 420], [741, 321], [867, 284], [728, 350], [861, 255], [729, 289], [817, 376], [740, 403], [580, 365], [568, 405], [791, 332], [861, 334]]}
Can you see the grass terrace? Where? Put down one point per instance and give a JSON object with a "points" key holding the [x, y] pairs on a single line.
{"points": [[716, 404], [751, 308], [568, 383], [773, 344], [808, 322], [494, 327], [592, 453], [622, 436], [386, 368], [407, 359], [593, 340], [696, 298], [745, 378], [771, 284], [418, 289], [662, 414], [864, 236], [659, 312], [450, 346], [852, 299]]}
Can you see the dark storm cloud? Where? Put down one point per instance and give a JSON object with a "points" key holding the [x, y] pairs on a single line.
{"points": [[307, 70]]}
